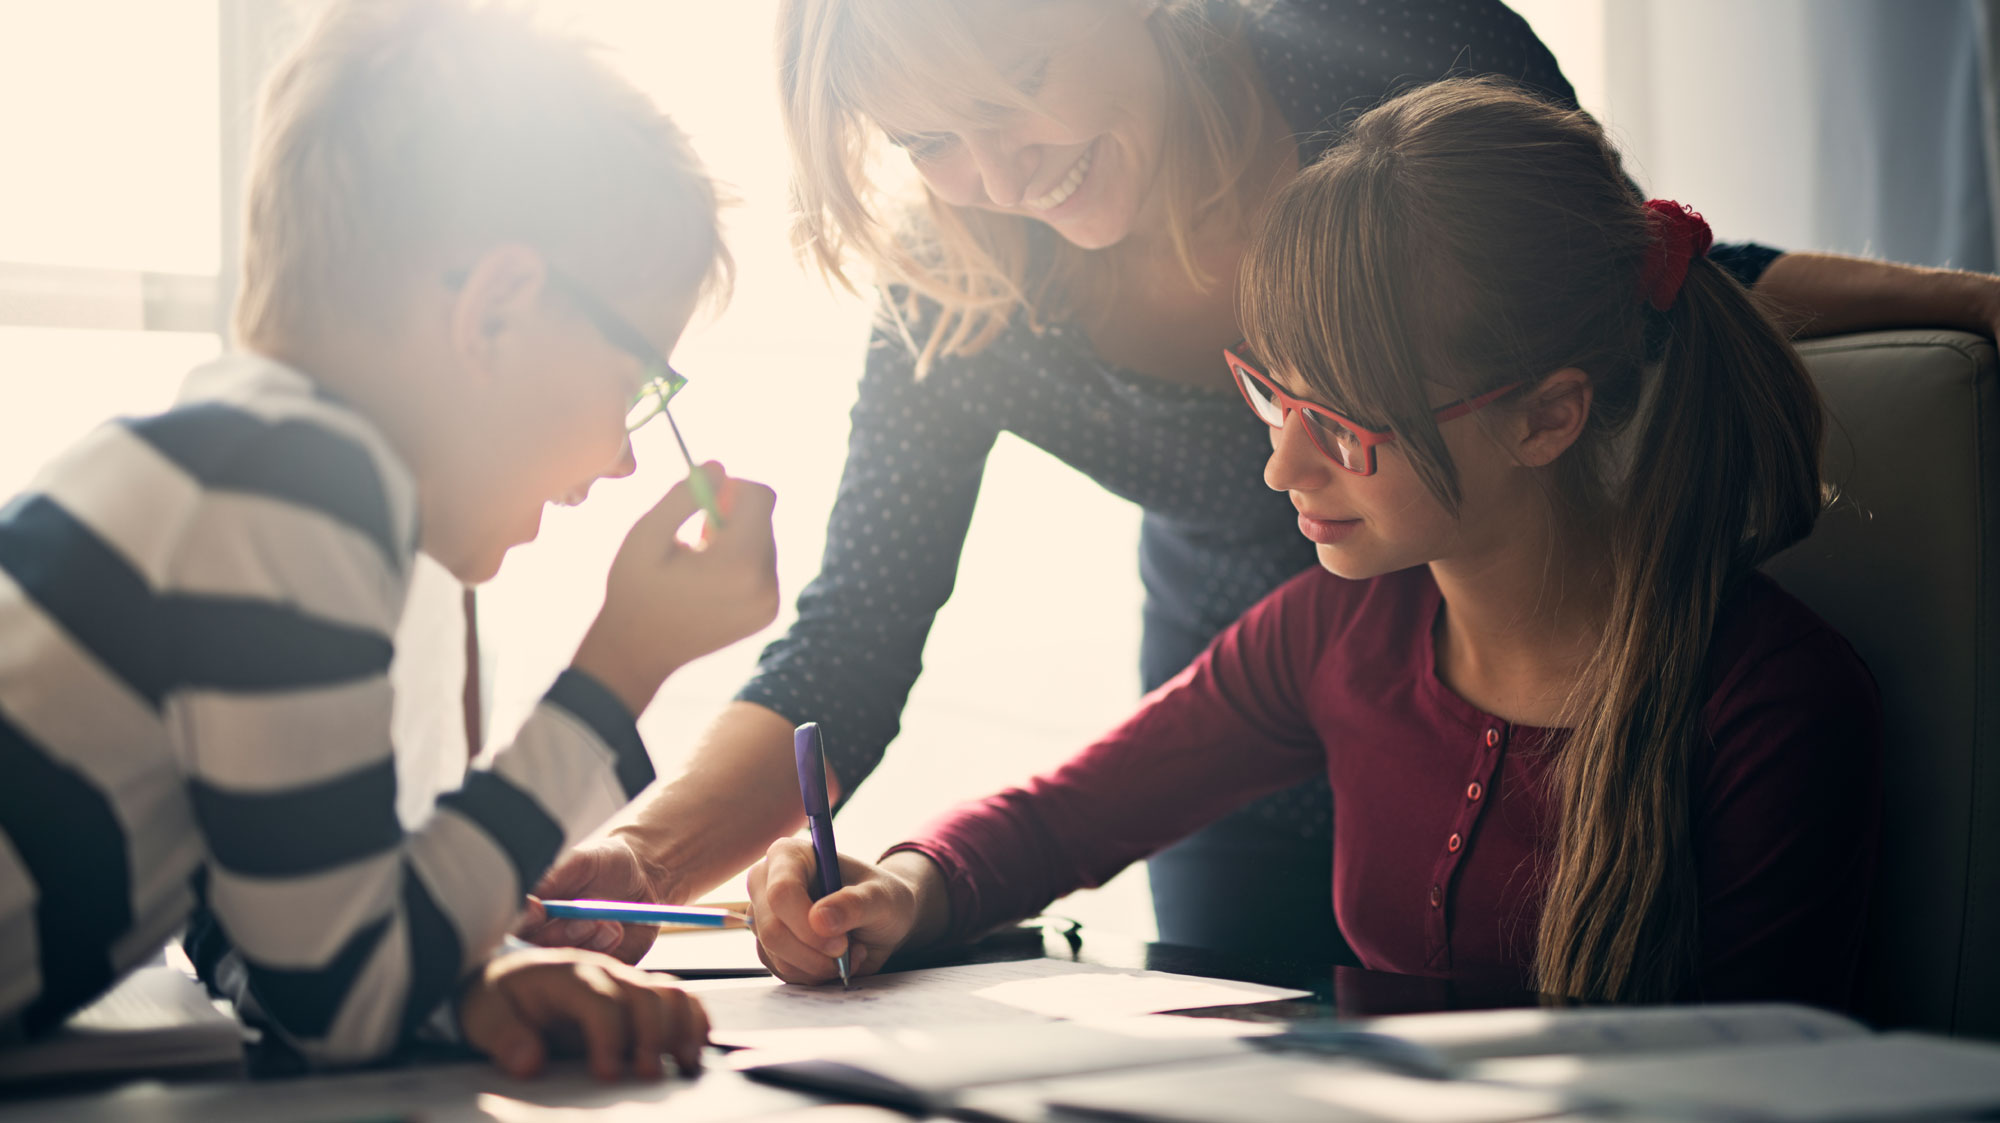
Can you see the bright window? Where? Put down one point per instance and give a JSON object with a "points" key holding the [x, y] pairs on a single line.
{"points": [[109, 129], [116, 117]]}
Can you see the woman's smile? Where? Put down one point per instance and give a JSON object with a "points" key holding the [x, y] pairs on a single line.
{"points": [[1067, 186]]}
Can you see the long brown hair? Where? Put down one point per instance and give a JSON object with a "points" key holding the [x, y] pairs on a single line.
{"points": [[1471, 235], [841, 62]]}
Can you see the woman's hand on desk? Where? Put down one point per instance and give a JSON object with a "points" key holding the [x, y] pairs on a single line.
{"points": [[879, 909], [522, 1004]]}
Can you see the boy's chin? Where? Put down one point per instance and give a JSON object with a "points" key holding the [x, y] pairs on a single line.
{"points": [[475, 558], [479, 571], [470, 563]]}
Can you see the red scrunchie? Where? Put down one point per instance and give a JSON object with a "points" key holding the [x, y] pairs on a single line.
{"points": [[1679, 236]]}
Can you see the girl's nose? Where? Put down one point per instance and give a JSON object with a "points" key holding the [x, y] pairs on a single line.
{"points": [[1296, 464]]}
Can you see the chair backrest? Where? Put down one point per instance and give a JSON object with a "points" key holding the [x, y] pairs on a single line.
{"points": [[1907, 567]]}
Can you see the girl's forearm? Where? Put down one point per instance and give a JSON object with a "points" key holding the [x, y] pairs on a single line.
{"points": [[933, 896]]}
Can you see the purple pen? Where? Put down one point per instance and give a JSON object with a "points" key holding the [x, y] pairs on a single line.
{"points": [[811, 755]]}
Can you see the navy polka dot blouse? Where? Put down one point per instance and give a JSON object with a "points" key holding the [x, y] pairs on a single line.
{"points": [[1214, 540]]}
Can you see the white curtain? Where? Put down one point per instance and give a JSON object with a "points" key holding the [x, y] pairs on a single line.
{"points": [[1855, 126]]}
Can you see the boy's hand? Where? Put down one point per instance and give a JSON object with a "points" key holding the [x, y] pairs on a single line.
{"points": [[668, 603], [523, 1003], [604, 870], [871, 916]]}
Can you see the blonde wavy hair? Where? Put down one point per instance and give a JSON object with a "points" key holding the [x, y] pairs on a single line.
{"points": [[844, 64], [401, 129]]}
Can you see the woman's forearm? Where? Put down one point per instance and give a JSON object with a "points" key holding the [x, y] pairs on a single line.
{"points": [[1812, 294], [739, 793]]}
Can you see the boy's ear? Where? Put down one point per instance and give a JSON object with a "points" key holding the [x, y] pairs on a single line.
{"points": [[1552, 413], [501, 290]]}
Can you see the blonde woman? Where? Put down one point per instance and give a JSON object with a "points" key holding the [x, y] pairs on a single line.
{"points": [[1061, 264], [1576, 740]]}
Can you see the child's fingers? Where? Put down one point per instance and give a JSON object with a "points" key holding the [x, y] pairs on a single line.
{"points": [[677, 506], [695, 1034], [747, 526], [645, 1011], [791, 958], [686, 1028], [592, 1002], [492, 1026], [785, 899], [796, 963], [835, 917]]}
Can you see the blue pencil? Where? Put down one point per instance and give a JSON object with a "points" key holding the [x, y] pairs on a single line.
{"points": [[636, 912]]}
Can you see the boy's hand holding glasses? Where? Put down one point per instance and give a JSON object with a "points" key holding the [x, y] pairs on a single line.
{"points": [[668, 602]]}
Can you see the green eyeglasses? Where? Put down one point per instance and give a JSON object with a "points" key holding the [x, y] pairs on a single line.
{"points": [[652, 398], [662, 380]]}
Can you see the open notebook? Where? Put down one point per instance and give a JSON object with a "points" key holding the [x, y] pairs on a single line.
{"points": [[157, 1019]]}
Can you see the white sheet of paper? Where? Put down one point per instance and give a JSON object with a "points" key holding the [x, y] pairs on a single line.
{"points": [[1884, 1076], [1025, 990], [936, 1063], [1260, 1088], [731, 949], [1481, 1034]]}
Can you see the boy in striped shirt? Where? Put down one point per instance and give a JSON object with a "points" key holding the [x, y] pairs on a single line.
{"points": [[468, 247]]}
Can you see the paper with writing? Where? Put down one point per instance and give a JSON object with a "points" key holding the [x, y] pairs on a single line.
{"points": [[1024, 991]]}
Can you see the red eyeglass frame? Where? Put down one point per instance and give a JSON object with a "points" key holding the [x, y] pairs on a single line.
{"points": [[1369, 438]]}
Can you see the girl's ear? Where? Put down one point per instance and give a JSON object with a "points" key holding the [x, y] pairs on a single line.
{"points": [[501, 290], [1552, 416]]}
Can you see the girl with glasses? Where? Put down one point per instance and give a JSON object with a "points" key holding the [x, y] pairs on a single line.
{"points": [[1055, 196], [1540, 443]]}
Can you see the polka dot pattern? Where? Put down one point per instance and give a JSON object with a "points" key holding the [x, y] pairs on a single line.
{"points": [[1215, 540]]}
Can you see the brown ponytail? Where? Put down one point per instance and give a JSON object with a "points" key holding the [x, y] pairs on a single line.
{"points": [[1470, 235]]}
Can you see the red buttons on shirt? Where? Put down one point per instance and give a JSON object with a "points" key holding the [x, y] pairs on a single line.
{"points": [[1492, 737], [1473, 791], [1453, 843], [1437, 896]]}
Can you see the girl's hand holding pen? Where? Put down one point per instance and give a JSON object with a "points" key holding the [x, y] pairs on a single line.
{"points": [[668, 602], [878, 909]]}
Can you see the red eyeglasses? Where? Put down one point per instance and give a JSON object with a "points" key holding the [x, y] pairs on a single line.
{"points": [[1346, 443]]}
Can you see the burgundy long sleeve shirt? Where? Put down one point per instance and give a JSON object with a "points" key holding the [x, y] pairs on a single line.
{"points": [[1444, 819]]}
